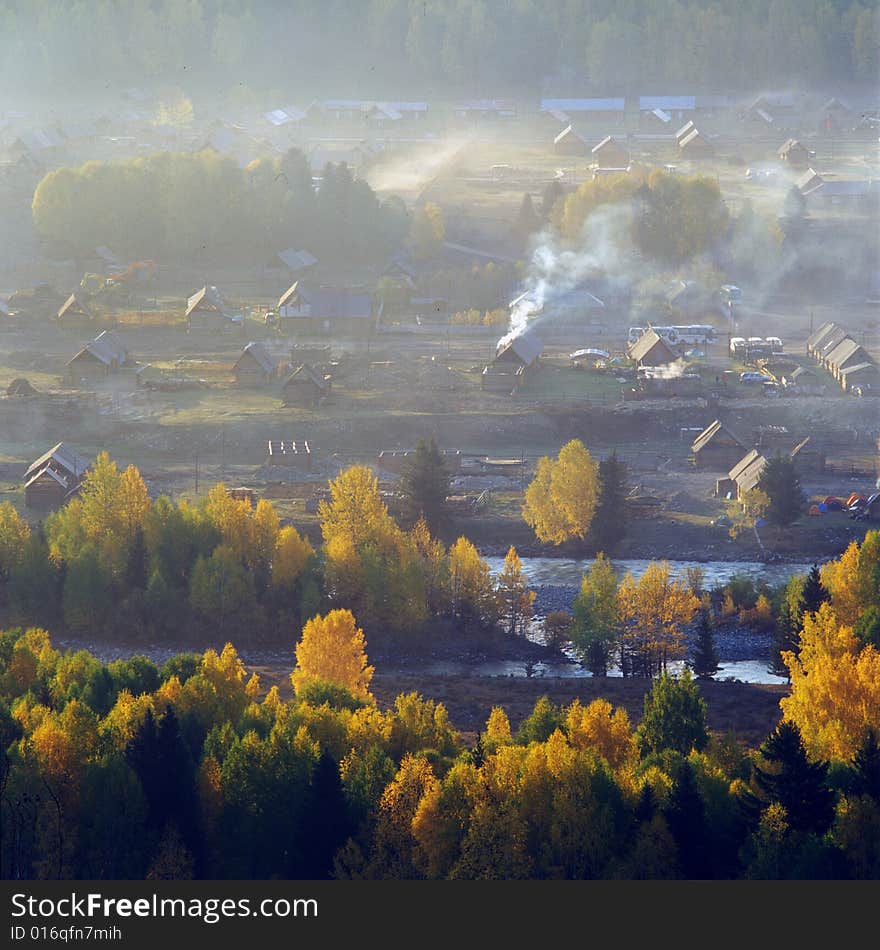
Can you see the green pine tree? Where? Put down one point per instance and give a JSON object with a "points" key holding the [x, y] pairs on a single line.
{"points": [[424, 484]]}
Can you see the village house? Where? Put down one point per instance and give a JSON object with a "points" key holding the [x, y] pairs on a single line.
{"points": [[254, 367], [514, 359], [808, 457], [685, 131], [53, 478], [743, 477], [717, 446], [305, 387], [308, 310], [695, 146], [847, 353], [651, 350], [794, 153], [98, 359], [818, 336], [74, 314], [568, 142], [205, 311], [860, 195], [861, 378], [804, 381], [609, 153], [20, 388]]}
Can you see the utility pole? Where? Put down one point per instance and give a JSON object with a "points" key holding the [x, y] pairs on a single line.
{"points": [[222, 451], [197, 473]]}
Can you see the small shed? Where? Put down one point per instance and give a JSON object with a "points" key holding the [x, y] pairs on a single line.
{"points": [[569, 142], [304, 387], [98, 359], [20, 388], [255, 366], [522, 350], [74, 314], [794, 152], [651, 350], [717, 446], [609, 153]]}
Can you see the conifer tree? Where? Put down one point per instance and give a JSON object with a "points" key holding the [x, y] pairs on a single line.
{"points": [[704, 662]]}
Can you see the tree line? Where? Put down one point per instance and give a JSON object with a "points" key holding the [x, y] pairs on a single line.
{"points": [[116, 563], [204, 206], [602, 46], [192, 770]]}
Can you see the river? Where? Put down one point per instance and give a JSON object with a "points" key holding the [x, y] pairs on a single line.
{"points": [[564, 572], [544, 573]]}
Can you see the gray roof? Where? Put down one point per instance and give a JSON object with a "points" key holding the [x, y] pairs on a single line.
{"points": [[818, 335], [667, 103], [62, 456], [304, 372], [827, 344], [297, 260], [526, 347], [329, 303], [743, 464], [710, 432], [63, 480], [868, 366], [107, 348], [846, 350], [583, 105], [261, 355]]}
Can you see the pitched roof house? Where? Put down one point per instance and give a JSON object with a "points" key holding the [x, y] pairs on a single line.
{"points": [[651, 350]]}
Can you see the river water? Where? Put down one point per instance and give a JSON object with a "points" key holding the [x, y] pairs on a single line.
{"points": [[567, 572], [539, 572]]}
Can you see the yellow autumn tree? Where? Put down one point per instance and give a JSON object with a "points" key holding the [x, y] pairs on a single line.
{"points": [[561, 500], [290, 556], [607, 731], [333, 649], [514, 597], [835, 687], [655, 611], [471, 591], [371, 565], [14, 531]]}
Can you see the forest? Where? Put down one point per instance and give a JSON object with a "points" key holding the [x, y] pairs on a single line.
{"points": [[192, 769], [602, 46], [127, 770], [171, 205]]}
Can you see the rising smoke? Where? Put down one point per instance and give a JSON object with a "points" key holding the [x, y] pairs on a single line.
{"points": [[603, 252]]}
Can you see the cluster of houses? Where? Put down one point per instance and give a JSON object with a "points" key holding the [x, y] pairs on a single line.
{"points": [[720, 447], [826, 192], [845, 359], [608, 155]]}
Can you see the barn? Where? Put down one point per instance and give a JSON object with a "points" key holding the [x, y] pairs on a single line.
{"points": [[74, 314], [717, 446], [568, 142], [609, 153], [53, 478], [255, 366], [304, 387], [651, 350]]}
